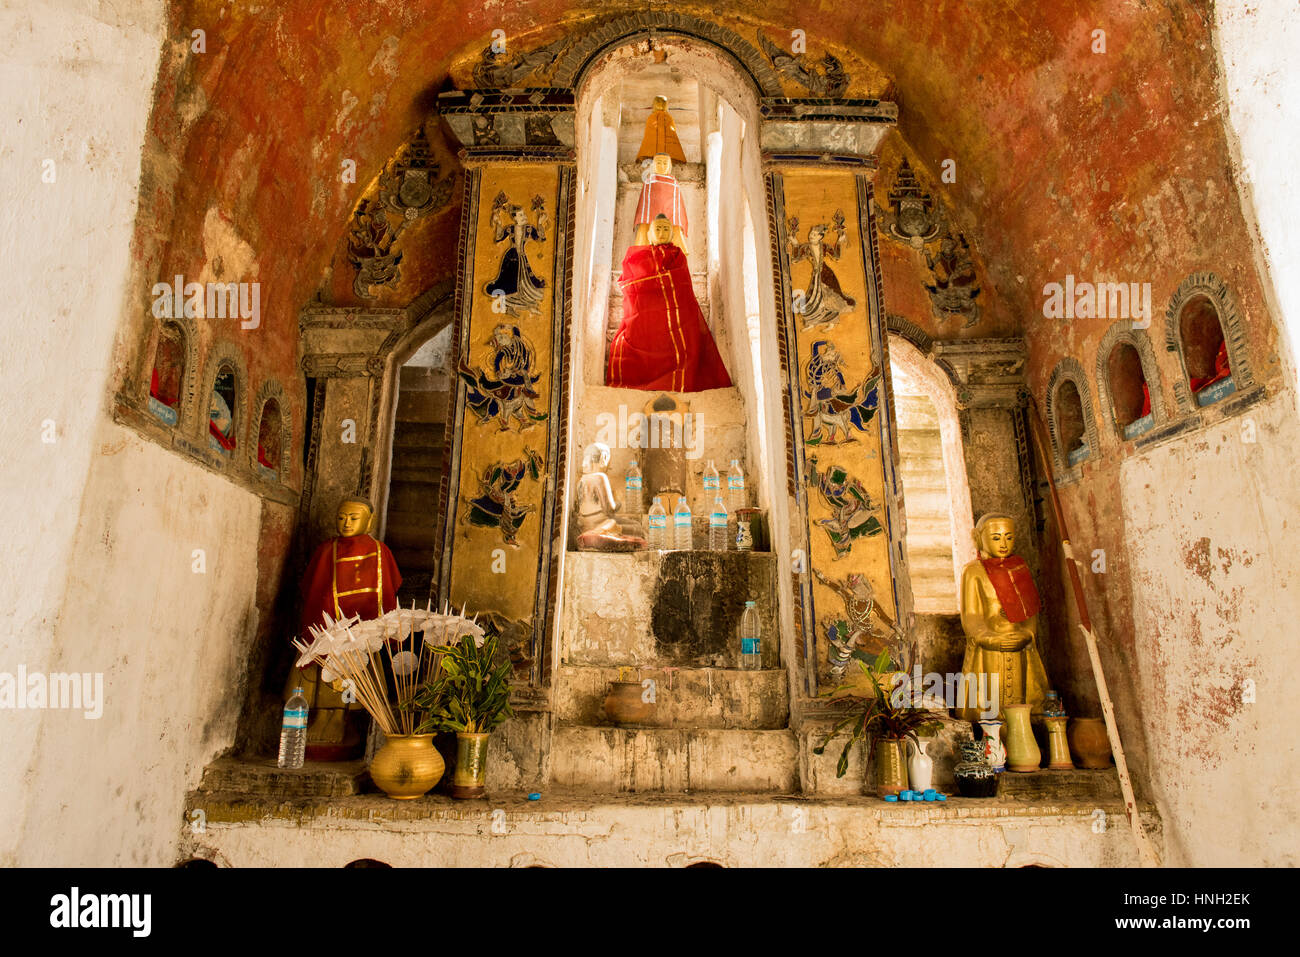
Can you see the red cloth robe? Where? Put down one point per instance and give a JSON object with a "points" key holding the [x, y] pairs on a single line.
{"points": [[1014, 586], [1221, 370], [660, 195], [362, 581], [663, 342]]}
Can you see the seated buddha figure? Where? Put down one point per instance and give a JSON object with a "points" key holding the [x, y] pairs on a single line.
{"points": [[598, 529], [351, 574], [663, 343], [999, 615]]}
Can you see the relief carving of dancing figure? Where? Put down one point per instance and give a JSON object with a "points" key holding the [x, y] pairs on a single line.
{"points": [[856, 634], [516, 286], [823, 301], [854, 511], [495, 505], [830, 404], [506, 390]]}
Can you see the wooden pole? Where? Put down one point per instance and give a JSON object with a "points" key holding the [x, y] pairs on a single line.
{"points": [[1146, 850]]}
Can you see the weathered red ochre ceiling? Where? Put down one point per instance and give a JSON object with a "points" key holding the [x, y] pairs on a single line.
{"points": [[1108, 165]]}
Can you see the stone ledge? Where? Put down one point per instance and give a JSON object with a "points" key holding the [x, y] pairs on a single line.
{"points": [[705, 698], [572, 828]]}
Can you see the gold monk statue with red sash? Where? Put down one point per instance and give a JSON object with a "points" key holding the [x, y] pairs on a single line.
{"points": [[352, 574], [999, 614], [662, 343]]}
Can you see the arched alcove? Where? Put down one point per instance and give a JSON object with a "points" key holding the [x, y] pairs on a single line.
{"points": [[1204, 329], [170, 391], [936, 491], [1069, 417], [225, 397], [273, 434], [1128, 381]]}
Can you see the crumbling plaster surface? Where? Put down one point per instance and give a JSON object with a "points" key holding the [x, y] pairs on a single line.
{"points": [[77, 78]]}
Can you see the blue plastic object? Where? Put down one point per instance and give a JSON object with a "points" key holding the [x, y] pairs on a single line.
{"points": [[891, 797], [535, 796]]}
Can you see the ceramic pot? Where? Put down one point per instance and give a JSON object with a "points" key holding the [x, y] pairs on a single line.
{"points": [[920, 766], [625, 705], [1058, 752], [407, 766], [891, 769], [1023, 753], [994, 753], [974, 777], [1089, 742], [468, 780]]}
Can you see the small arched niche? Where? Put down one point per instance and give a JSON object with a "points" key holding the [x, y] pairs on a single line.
{"points": [[167, 377], [1205, 351], [271, 439], [223, 410], [1069, 416], [1128, 381]]}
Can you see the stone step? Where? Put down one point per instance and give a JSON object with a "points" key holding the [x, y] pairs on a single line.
{"points": [[422, 475], [684, 697], [926, 502], [407, 499], [421, 435], [1081, 784], [417, 458], [915, 416], [263, 777], [415, 537], [422, 406], [620, 760]]}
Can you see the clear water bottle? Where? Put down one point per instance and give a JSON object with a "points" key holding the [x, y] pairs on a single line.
{"points": [[682, 537], [293, 732], [751, 639], [632, 501], [658, 525], [735, 487], [712, 487], [718, 525]]}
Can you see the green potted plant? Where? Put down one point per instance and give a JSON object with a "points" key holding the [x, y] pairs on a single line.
{"points": [[885, 719], [470, 695]]}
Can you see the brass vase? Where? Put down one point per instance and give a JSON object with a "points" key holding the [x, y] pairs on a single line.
{"points": [[1023, 753], [1058, 751], [407, 766], [469, 779], [891, 766]]}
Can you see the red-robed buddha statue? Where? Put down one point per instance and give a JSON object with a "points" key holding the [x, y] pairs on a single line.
{"points": [[662, 343], [661, 194], [352, 574]]}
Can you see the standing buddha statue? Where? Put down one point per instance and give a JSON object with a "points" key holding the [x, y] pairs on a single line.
{"points": [[661, 195], [352, 574], [999, 614]]}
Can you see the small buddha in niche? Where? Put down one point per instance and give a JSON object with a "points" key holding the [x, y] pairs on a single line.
{"points": [[663, 343], [999, 614], [661, 195], [351, 574], [598, 529]]}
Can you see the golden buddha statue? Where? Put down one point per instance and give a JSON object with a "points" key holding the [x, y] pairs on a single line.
{"points": [[999, 614], [352, 574], [661, 195]]}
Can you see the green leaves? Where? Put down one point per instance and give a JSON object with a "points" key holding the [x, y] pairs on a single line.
{"points": [[468, 693]]}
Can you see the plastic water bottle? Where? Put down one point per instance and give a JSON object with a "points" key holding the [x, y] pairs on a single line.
{"points": [[712, 488], [735, 487], [718, 525], [751, 645], [293, 732], [632, 501], [682, 537], [658, 529]]}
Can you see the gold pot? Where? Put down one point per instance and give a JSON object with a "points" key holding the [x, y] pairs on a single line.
{"points": [[625, 703], [468, 780], [891, 766], [407, 766], [1090, 743]]}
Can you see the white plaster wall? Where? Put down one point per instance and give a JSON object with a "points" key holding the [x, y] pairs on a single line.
{"points": [[171, 642], [1216, 590], [75, 88]]}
